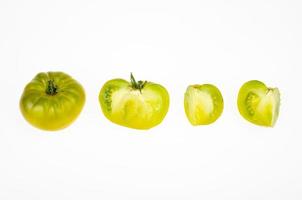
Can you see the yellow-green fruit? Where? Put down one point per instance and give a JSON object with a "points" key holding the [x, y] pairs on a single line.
{"points": [[203, 104], [138, 105], [52, 101], [259, 104]]}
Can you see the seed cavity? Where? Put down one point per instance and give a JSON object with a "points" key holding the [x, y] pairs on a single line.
{"points": [[108, 98], [251, 102]]}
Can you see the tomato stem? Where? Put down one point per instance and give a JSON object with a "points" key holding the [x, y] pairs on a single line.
{"points": [[51, 88], [138, 85]]}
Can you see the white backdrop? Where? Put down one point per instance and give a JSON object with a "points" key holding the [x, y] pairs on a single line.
{"points": [[174, 43]]}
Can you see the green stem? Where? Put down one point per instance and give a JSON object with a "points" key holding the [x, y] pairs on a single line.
{"points": [[138, 85], [51, 88]]}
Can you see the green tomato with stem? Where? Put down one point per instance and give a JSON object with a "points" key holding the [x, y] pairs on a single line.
{"points": [[203, 104], [258, 103], [134, 104], [52, 101]]}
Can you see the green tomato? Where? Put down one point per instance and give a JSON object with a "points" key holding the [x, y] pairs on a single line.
{"points": [[258, 103], [138, 105], [52, 100], [203, 104]]}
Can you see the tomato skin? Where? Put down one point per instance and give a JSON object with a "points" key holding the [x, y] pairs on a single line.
{"points": [[139, 109], [52, 111]]}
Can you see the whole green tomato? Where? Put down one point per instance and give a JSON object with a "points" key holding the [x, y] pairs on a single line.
{"points": [[138, 105], [52, 100]]}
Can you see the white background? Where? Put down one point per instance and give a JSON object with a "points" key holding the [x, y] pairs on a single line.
{"points": [[174, 43]]}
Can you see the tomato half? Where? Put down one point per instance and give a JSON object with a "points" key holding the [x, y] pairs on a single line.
{"points": [[138, 105], [52, 100]]}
